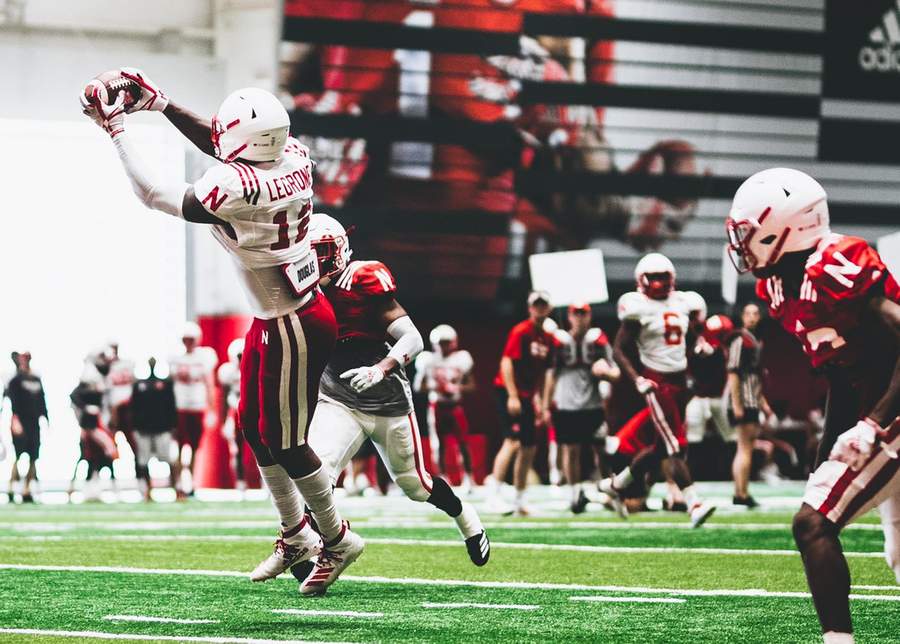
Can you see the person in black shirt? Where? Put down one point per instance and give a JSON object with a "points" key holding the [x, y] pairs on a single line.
{"points": [[153, 417], [26, 394]]}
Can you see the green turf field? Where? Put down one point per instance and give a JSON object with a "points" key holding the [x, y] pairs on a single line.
{"points": [[178, 572]]}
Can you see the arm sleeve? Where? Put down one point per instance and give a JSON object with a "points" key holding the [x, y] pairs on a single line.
{"points": [[734, 354], [513, 348], [152, 193], [408, 340]]}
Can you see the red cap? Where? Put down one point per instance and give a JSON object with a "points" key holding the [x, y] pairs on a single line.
{"points": [[583, 307]]}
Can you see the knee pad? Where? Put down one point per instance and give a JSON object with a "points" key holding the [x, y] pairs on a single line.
{"points": [[412, 486]]}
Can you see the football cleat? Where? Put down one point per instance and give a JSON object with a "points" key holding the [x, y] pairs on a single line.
{"points": [[292, 547], [477, 543], [615, 497], [334, 558], [580, 504], [700, 513], [749, 501], [496, 505]]}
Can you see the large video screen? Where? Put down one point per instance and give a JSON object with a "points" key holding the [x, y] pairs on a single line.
{"points": [[459, 136]]}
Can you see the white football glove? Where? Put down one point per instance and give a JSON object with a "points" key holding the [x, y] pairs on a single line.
{"points": [[152, 97], [644, 385], [363, 378], [855, 446], [109, 117]]}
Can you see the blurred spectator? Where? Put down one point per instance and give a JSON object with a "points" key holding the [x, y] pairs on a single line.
{"points": [[119, 384], [229, 376], [192, 372], [445, 373], [98, 447], [154, 416], [26, 395], [746, 399], [519, 384], [583, 359]]}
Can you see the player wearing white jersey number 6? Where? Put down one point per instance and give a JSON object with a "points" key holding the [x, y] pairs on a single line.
{"points": [[656, 320], [257, 201]]}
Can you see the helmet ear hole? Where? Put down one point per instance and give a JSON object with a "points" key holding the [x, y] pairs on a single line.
{"points": [[768, 239]]}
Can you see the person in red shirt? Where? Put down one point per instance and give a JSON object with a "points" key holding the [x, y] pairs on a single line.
{"points": [[519, 382], [836, 296]]}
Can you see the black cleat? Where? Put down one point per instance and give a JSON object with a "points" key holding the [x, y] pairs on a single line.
{"points": [[674, 506], [580, 504], [749, 501], [479, 548]]}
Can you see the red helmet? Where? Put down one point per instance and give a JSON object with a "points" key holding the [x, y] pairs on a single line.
{"points": [[655, 276], [717, 329]]}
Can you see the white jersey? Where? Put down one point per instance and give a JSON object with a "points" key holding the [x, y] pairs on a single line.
{"points": [[119, 382], [444, 375], [265, 209], [229, 375], [576, 387], [189, 371], [664, 324]]}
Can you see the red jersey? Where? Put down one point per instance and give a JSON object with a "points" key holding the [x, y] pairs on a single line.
{"points": [[532, 351], [840, 276], [351, 294]]}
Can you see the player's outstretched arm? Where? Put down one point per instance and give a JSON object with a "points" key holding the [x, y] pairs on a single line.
{"points": [[195, 128], [408, 344]]}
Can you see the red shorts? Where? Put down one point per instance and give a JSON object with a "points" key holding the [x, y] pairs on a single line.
{"points": [[448, 419], [189, 428], [281, 367], [661, 421]]}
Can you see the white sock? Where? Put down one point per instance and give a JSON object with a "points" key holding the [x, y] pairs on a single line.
{"points": [[833, 637], [316, 491], [520, 498], [285, 497], [623, 479], [690, 497]]}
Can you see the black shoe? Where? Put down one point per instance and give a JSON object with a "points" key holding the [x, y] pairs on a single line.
{"points": [[479, 548], [580, 504], [676, 506], [27, 498], [749, 501]]}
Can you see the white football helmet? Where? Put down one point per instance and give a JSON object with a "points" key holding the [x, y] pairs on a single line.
{"points": [[331, 243], [251, 124], [774, 212], [191, 331], [443, 333], [655, 276], [235, 349]]}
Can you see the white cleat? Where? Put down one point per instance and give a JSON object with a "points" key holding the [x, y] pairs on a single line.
{"points": [[615, 497], [332, 561], [292, 547], [700, 513]]}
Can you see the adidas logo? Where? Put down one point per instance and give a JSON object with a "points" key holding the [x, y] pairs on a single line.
{"points": [[883, 57]]}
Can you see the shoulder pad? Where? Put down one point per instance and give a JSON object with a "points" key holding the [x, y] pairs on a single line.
{"points": [[465, 360], [561, 337], [845, 268], [294, 146], [596, 336], [369, 278], [423, 360], [694, 301], [631, 306], [222, 187]]}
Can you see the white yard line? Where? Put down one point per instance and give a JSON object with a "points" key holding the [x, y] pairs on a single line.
{"points": [[325, 613], [159, 620], [401, 523], [629, 600], [450, 543], [415, 581], [148, 637], [864, 587], [486, 606]]}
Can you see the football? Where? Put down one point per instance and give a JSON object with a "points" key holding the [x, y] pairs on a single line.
{"points": [[105, 88]]}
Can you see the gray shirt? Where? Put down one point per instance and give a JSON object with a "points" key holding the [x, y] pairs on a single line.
{"points": [[390, 397]]}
